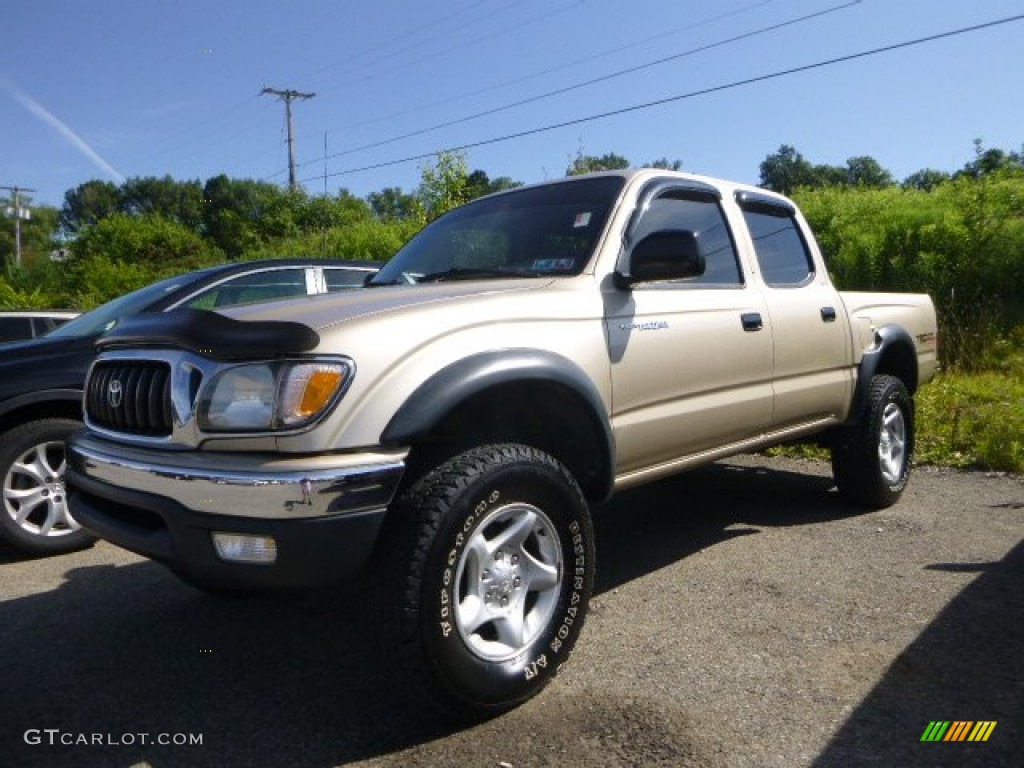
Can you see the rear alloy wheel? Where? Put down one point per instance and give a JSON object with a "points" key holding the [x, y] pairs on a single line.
{"points": [[485, 575], [35, 516], [872, 464]]}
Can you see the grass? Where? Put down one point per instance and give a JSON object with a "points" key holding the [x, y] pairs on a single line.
{"points": [[972, 420], [968, 420]]}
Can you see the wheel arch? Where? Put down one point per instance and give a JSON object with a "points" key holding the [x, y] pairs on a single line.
{"points": [[527, 396], [48, 404], [893, 354]]}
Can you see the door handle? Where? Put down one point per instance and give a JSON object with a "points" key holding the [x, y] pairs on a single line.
{"points": [[752, 321], [828, 314]]}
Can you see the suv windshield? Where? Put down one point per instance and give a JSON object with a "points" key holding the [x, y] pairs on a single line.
{"points": [[105, 316], [544, 230]]}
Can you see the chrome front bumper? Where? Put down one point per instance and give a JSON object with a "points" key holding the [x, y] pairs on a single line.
{"points": [[243, 485], [324, 513]]}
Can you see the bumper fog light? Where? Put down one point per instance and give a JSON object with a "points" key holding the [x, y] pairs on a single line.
{"points": [[245, 548]]}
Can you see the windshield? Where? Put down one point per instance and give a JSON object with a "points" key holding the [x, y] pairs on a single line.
{"points": [[544, 230], [106, 316]]}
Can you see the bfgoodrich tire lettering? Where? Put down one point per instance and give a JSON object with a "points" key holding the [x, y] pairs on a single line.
{"points": [[872, 464], [492, 555]]}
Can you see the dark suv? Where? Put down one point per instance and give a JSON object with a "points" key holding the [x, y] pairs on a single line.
{"points": [[31, 324], [41, 382]]}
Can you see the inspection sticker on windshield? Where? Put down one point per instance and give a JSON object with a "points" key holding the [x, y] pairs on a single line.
{"points": [[581, 220]]}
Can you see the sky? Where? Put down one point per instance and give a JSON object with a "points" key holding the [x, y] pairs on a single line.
{"points": [[131, 88]]}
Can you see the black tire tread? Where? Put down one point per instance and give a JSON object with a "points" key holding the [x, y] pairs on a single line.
{"points": [[413, 522], [855, 458]]}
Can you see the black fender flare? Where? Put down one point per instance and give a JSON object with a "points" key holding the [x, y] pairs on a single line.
{"points": [[890, 340], [432, 401]]}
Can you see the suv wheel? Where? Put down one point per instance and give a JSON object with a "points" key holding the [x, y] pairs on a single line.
{"points": [[872, 464], [487, 569], [35, 516]]}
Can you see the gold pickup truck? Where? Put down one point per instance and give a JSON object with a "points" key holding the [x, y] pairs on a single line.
{"points": [[447, 428]]}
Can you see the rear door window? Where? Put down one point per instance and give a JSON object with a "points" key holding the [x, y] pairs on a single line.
{"points": [[782, 254]]}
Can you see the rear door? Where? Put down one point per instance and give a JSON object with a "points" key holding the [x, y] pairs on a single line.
{"points": [[810, 329], [690, 359]]}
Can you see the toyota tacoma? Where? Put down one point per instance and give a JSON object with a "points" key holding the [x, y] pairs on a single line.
{"points": [[448, 428]]}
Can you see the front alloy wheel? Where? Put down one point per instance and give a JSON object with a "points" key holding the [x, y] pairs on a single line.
{"points": [[35, 515], [508, 581], [485, 572]]}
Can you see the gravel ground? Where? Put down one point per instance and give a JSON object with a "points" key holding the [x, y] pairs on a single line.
{"points": [[744, 616]]}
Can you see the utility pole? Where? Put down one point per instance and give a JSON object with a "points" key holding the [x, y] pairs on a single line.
{"points": [[288, 96], [18, 213]]}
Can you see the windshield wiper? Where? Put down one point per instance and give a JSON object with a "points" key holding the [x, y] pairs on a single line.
{"points": [[471, 273]]}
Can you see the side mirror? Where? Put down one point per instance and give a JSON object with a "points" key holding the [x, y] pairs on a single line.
{"points": [[670, 254]]}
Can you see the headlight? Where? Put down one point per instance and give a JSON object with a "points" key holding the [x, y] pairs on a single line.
{"points": [[269, 396]]}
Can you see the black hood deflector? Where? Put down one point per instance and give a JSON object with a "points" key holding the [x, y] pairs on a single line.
{"points": [[211, 334]]}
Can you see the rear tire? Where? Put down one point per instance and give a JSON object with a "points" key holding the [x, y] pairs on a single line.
{"points": [[34, 516], [871, 464], [485, 574]]}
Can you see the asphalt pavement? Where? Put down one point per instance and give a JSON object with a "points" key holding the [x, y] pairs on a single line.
{"points": [[744, 615]]}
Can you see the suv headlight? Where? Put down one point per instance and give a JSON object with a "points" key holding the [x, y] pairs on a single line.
{"points": [[278, 395]]}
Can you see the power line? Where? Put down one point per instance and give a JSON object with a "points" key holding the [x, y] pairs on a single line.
{"points": [[595, 80], [692, 94], [600, 54], [415, 32], [171, 144], [449, 49], [559, 67]]}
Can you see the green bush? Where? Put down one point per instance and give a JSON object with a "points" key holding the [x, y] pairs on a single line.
{"points": [[972, 420], [13, 298], [368, 239], [149, 240], [100, 279], [962, 243]]}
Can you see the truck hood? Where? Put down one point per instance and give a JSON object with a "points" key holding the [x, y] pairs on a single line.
{"points": [[326, 311]]}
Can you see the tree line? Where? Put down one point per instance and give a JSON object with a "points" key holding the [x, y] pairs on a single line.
{"points": [[958, 236], [786, 171]]}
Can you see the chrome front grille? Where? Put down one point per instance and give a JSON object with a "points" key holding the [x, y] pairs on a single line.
{"points": [[130, 396]]}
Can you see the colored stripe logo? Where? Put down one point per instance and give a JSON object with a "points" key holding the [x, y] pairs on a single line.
{"points": [[958, 730]]}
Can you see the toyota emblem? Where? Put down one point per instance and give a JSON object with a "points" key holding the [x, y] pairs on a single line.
{"points": [[115, 393]]}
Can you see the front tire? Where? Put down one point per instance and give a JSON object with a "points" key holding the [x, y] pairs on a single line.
{"points": [[34, 517], [871, 465], [486, 570]]}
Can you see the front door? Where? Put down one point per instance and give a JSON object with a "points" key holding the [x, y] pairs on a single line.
{"points": [[690, 359]]}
